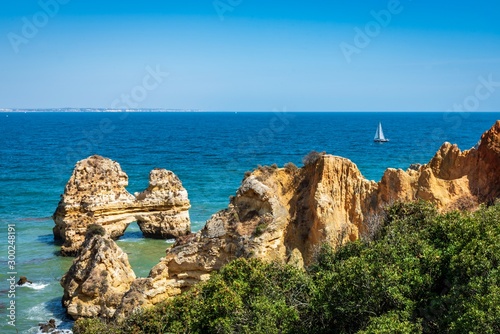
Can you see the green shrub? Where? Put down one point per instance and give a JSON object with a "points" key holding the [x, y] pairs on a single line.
{"points": [[259, 229], [95, 229], [246, 296], [291, 168], [312, 157], [423, 273], [94, 326]]}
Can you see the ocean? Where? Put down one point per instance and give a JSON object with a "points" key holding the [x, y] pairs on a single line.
{"points": [[209, 151]]}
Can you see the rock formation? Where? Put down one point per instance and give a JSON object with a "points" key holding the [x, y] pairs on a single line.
{"points": [[97, 280], [23, 280], [166, 194], [453, 179], [285, 214], [277, 214], [48, 327], [96, 194]]}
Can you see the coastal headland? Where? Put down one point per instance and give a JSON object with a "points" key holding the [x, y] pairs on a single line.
{"points": [[278, 214]]}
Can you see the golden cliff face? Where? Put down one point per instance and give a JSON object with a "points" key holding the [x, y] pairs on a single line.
{"points": [[285, 214], [452, 179], [96, 194]]}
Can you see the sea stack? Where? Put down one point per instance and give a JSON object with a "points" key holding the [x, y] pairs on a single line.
{"points": [[98, 278], [96, 194], [166, 194]]}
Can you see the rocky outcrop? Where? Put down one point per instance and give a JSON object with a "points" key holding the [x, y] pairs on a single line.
{"points": [[285, 214], [96, 194], [453, 179], [166, 195], [23, 280], [97, 280], [277, 214]]}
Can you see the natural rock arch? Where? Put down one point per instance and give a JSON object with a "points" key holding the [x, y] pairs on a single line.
{"points": [[96, 194]]}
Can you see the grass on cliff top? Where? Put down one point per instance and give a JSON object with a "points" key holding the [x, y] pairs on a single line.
{"points": [[423, 273]]}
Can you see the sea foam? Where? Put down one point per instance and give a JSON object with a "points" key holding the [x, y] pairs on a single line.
{"points": [[34, 286]]}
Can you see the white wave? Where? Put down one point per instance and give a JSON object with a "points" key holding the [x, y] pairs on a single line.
{"points": [[37, 312], [131, 240], [41, 314], [34, 286], [170, 241], [37, 330]]}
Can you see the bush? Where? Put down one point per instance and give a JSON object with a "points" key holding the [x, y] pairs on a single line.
{"points": [[246, 296], [266, 172], [423, 273], [312, 157], [465, 203], [260, 229], [94, 326], [290, 167], [95, 229]]}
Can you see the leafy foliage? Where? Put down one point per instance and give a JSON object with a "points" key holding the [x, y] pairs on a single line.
{"points": [[95, 229], [312, 157], [424, 272], [291, 168]]}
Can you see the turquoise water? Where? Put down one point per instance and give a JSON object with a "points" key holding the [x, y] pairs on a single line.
{"points": [[210, 152]]}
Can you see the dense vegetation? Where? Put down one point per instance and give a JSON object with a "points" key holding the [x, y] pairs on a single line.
{"points": [[422, 273]]}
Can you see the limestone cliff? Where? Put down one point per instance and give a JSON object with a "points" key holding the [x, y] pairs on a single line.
{"points": [[97, 280], [452, 179], [279, 214], [96, 194], [285, 214]]}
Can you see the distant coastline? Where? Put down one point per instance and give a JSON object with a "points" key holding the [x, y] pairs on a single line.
{"points": [[94, 110], [161, 110]]}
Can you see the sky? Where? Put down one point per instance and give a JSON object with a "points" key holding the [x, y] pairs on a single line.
{"points": [[251, 55]]}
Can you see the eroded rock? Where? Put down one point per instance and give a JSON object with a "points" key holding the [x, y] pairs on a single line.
{"points": [[96, 194], [97, 280], [167, 195]]}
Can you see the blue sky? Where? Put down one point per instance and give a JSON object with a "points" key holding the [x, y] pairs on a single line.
{"points": [[250, 55]]}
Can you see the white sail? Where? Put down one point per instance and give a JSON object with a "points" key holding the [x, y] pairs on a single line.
{"points": [[379, 134]]}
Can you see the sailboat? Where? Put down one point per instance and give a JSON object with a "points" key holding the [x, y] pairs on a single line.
{"points": [[379, 135]]}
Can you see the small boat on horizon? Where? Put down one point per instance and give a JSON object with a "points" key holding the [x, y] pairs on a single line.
{"points": [[379, 135]]}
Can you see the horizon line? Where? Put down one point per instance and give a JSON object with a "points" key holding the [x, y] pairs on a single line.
{"points": [[114, 110]]}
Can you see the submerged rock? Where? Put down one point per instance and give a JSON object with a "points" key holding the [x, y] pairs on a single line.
{"points": [[285, 214], [96, 194], [23, 280], [48, 327]]}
